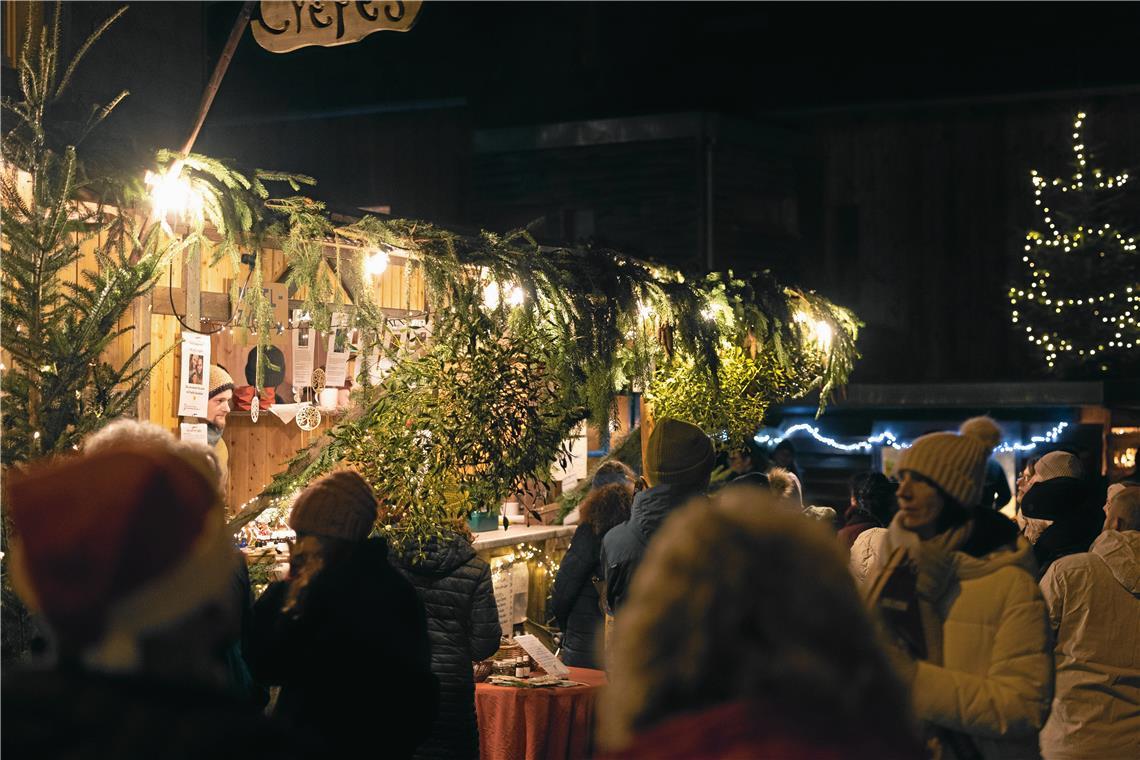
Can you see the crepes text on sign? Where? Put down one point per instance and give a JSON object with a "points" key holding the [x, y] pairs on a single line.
{"points": [[285, 25]]}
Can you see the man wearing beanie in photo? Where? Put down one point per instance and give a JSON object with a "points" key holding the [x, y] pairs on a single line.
{"points": [[678, 462]]}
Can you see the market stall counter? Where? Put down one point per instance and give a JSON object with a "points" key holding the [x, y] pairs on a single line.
{"points": [[552, 723]]}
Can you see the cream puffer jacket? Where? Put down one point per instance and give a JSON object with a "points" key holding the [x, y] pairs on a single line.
{"points": [[1094, 607], [995, 682]]}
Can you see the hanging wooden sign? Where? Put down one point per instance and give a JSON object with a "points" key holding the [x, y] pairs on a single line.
{"points": [[285, 25]]}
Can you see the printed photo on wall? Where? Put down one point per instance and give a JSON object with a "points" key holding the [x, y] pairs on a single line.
{"points": [[336, 363], [304, 348], [197, 369], [192, 398]]}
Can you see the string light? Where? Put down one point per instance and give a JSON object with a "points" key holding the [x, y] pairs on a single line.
{"points": [[887, 438], [526, 554], [1110, 313]]}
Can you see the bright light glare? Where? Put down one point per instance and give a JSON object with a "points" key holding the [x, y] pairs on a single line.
{"points": [[821, 332], [491, 295], [172, 194], [516, 296], [376, 263]]}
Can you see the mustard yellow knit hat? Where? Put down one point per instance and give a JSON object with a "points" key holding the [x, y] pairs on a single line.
{"points": [[955, 462]]}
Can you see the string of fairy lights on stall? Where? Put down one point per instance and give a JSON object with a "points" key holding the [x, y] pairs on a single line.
{"points": [[889, 439], [1114, 308]]}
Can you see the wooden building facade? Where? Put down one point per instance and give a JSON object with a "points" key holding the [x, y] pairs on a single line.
{"points": [[259, 450]]}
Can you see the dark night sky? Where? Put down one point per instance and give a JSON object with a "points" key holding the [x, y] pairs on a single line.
{"points": [[527, 62]]}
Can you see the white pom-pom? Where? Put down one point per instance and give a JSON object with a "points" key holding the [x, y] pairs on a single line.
{"points": [[983, 429]]}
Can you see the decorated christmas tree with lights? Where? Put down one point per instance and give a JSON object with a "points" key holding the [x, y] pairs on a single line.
{"points": [[1078, 299]]}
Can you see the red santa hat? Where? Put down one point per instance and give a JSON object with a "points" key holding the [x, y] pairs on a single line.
{"points": [[115, 545]]}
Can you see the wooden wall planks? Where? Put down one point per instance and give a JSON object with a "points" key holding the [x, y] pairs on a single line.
{"points": [[257, 452]]}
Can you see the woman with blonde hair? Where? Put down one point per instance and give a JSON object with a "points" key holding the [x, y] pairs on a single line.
{"points": [[726, 647]]}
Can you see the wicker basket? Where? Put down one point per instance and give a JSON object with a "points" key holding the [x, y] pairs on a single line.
{"points": [[508, 650]]}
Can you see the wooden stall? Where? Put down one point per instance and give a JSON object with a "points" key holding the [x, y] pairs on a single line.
{"points": [[258, 451]]}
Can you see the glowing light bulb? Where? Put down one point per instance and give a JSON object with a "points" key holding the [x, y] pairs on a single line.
{"points": [[376, 263], [491, 295], [173, 194]]}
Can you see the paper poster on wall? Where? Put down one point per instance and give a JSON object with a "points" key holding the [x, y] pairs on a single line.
{"points": [[377, 367], [304, 348], [336, 362], [193, 395], [502, 586], [512, 590], [520, 591], [575, 469], [194, 432]]}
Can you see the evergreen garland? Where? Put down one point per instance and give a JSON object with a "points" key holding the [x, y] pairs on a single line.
{"points": [[570, 328]]}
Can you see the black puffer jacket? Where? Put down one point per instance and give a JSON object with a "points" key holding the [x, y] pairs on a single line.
{"points": [[463, 625], [355, 661], [624, 545], [574, 600]]}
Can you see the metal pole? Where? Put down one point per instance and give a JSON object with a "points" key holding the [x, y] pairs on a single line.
{"points": [[219, 72]]}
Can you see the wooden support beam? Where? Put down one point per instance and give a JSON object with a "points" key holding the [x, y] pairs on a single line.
{"points": [[192, 280], [212, 306]]}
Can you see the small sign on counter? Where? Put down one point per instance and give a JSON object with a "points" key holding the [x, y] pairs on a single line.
{"points": [[543, 656]]}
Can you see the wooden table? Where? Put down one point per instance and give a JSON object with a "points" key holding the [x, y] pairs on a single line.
{"points": [[538, 724]]}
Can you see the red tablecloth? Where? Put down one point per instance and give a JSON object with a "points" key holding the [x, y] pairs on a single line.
{"points": [[538, 724]]}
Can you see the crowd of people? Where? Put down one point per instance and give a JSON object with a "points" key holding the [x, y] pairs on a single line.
{"points": [[733, 620]]}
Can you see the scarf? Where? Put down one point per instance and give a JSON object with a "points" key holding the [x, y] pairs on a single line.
{"points": [[934, 562]]}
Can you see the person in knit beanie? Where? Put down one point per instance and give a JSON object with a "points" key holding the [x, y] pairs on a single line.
{"points": [[344, 622], [218, 407], [1057, 514], [957, 593], [679, 460]]}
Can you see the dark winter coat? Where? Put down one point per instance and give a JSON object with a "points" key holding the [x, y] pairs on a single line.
{"points": [[857, 521], [354, 665], [1076, 521], [624, 546], [463, 624], [80, 715], [240, 680], [574, 599]]}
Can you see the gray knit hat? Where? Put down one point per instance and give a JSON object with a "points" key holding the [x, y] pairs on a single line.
{"points": [[955, 462], [339, 505], [1056, 464]]}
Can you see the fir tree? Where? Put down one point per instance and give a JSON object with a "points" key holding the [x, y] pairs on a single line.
{"points": [[1078, 300], [56, 386]]}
